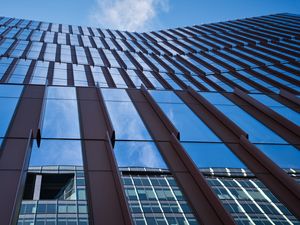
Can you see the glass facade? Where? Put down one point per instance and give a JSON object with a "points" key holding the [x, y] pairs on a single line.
{"points": [[205, 85]]}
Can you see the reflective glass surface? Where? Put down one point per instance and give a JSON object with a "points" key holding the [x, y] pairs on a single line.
{"points": [[61, 114], [125, 118], [210, 155], [278, 107], [9, 97], [57, 153], [191, 128], [258, 133], [285, 156], [138, 154]]}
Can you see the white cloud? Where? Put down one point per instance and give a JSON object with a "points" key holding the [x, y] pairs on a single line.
{"points": [[129, 15]]}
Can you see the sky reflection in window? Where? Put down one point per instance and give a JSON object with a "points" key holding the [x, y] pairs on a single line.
{"points": [[61, 114], [9, 97], [138, 154], [57, 152], [212, 155], [258, 132], [285, 156], [190, 126], [125, 118]]}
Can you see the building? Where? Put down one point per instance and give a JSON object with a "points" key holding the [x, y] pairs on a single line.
{"points": [[193, 125]]}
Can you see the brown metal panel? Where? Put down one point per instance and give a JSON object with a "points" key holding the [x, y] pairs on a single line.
{"points": [[29, 72], [8, 191], [126, 78], [89, 75], [281, 184], [207, 207], [144, 79], [212, 109], [157, 109], [107, 200], [108, 78], [70, 74], [265, 119], [290, 97], [91, 103], [28, 112], [277, 117], [16, 152], [9, 71]]}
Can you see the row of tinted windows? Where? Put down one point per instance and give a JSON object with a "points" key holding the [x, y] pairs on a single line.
{"points": [[59, 123], [270, 79], [180, 46], [62, 112], [163, 35]]}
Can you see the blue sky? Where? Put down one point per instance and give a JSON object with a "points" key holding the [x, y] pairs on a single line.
{"points": [[143, 15]]}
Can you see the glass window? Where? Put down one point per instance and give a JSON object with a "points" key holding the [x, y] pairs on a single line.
{"points": [[112, 60], [40, 73], [285, 156], [258, 133], [99, 77], [36, 35], [34, 51], [49, 37], [138, 154], [79, 75], [19, 72], [125, 118], [191, 128], [60, 74], [61, 114], [4, 64], [96, 57], [50, 52], [65, 54], [4, 46], [74, 39], [153, 80], [278, 107], [170, 81], [209, 155], [80, 54], [134, 78], [19, 49], [118, 79], [9, 97]]}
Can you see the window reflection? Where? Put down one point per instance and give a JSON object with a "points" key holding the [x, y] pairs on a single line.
{"points": [[125, 118], [190, 126], [210, 155], [138, 154], [278, 107], [61, 114], [9, 97], [57, 153], [285, 156], [40, 73], [19, 72], [258, 133]]}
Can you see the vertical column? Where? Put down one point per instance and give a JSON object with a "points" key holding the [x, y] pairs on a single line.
{"points": [[106, 197], [281, 185], [15, 154], [207, 207]]}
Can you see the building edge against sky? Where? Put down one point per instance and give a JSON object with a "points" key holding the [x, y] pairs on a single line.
{"points": [[193, 125]]}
